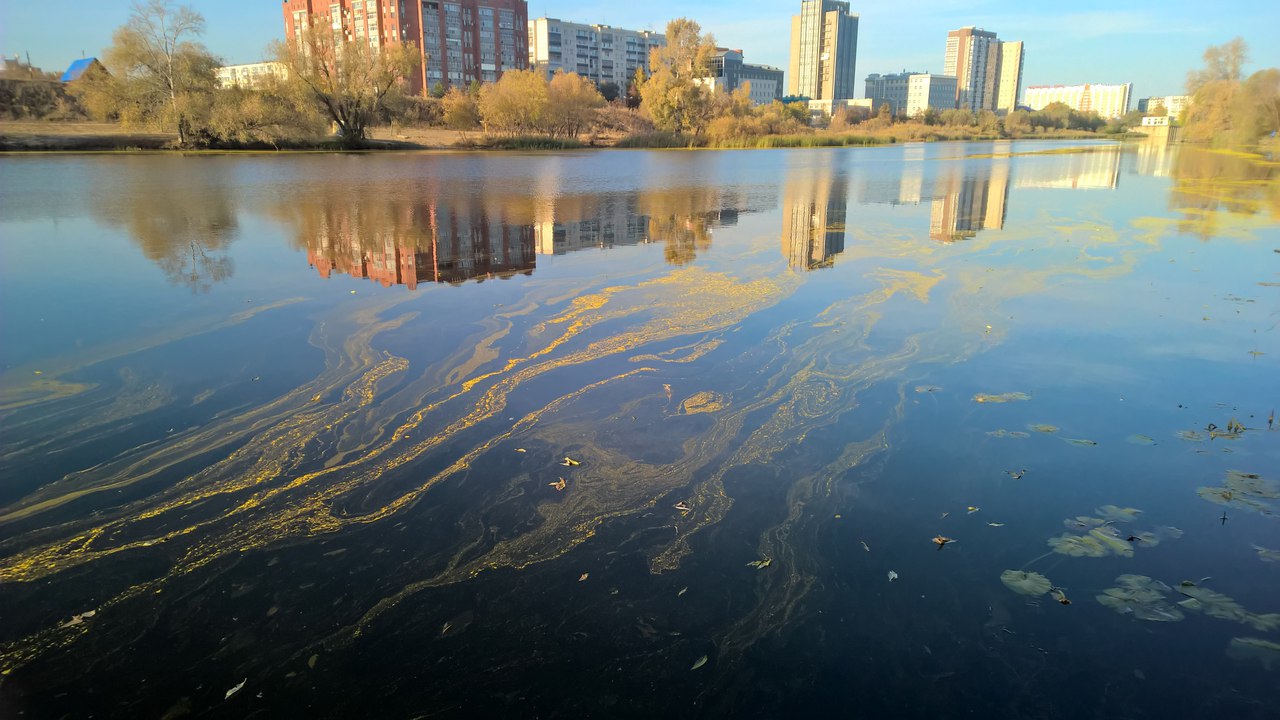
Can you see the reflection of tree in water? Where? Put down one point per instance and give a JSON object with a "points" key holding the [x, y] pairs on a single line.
{"points": [[683, 219], [1208, 183], [182, 221]]}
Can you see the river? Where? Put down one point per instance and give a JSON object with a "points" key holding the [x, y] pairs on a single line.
{"points": [[921, 431]]}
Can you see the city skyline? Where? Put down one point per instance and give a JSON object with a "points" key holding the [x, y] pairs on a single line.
{"points": [[1150, 44]]}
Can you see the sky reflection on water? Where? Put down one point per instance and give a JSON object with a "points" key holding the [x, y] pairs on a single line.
{"points": [[316, 439]]}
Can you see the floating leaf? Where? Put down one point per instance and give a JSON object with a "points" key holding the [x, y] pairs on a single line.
{"points": [[1244, 490], [1118, 514], [1250, 648], [941, 541], [927, 388], [1044, 428], [1016, 474], [865, 546], [1001, 398], [1025, 583], [79, 619], [699, 662], [760, 564], [1266, 555], [1002, 433], [1083, 522], [1079, 441], [973, 509], [892, 576], [1142, 597], [559, 485], [1140, 440], [583, 577], [235, 689], [1078, 546], [1108, 537], [569, 462], [995, 524], [1215, 604], [1060, 595]]}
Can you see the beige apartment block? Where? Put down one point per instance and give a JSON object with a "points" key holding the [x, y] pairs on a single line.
{"points": [[601, 53]]}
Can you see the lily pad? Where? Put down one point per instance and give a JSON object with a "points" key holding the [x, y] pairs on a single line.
{"points": [[1250, 648], [1025, 583], [1245, 490], [1080, 442], [1083, 522], [1266, 555], [1078, 546], [1044, 428], [1140, 440], [1118, 514], [1002, 433], [1141, 597], [1215, 604], [1190, 435]]}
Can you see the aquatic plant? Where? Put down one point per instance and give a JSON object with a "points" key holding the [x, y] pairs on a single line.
{"points": [[1244, 649], [1142, 597], [1025, 583]]}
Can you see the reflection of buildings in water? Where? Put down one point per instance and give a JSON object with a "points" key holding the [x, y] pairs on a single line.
{"points": [[1089, 170], [815, 208], [1152, 158], [966, 204], [614, 222], [427, 243]]}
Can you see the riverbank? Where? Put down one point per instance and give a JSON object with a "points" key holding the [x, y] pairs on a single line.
{"points": [[17, 136]]}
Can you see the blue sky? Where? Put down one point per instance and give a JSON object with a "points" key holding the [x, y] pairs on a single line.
{"points": [[1151, 44]]}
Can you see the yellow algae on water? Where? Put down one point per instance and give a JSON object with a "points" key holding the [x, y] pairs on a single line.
{"points": [[702, 402], [1001, 398]]}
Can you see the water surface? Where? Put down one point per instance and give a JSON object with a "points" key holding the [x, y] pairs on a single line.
{"points": [[302, 423]]}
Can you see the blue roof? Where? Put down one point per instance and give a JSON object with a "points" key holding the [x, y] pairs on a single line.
{"points": [[78, 68]]}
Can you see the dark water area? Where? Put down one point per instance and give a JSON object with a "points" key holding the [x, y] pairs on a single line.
{"points": [[928, 431]]}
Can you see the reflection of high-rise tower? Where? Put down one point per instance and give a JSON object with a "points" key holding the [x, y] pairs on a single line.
{"points": [[814, 207], [970, 204]]}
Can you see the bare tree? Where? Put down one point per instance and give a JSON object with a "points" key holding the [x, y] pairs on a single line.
{"points": [[159, 73], [347, 80]]}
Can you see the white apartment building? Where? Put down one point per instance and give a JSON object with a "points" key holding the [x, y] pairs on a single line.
{"points": [[1173, 104], [251, 75], [926, 90], [1109, 101], [599, 52]]}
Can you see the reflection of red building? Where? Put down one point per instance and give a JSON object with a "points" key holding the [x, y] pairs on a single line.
{"points": [[446, 248]]}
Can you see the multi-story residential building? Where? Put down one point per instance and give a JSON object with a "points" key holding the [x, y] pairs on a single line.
{"points": [[1009, 76], [729, 72], [458, 41], [1109, 101], [601, 53], [988, 72], [964, 205], [888, 90], [926, 90], [909, 93], [251, 75], [824, 51], [1173, 104]]}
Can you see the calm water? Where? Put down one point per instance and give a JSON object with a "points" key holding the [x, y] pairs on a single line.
{"points": [[287, 436]]}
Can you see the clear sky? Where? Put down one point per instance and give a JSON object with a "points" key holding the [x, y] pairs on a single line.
{"points": [[1149, 43]]}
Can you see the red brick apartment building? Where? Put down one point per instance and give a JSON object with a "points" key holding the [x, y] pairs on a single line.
{"points": [[460, 41]]}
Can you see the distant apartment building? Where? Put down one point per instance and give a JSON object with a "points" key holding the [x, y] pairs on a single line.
{"points": [[824, 51], [1173, 104], [458, 42], [988, 74], [729, 72], [1009, 76], [814, 209], [601, 53], [965, 205], [911, 93], [252, 75], [1109, 101], [926, 90], [888, 90]]}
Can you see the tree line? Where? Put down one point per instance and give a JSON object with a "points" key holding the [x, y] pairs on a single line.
{"points": [[161, 75]]}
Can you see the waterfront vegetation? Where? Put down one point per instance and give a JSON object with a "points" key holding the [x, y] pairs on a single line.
{"points": [[160, 88]]}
